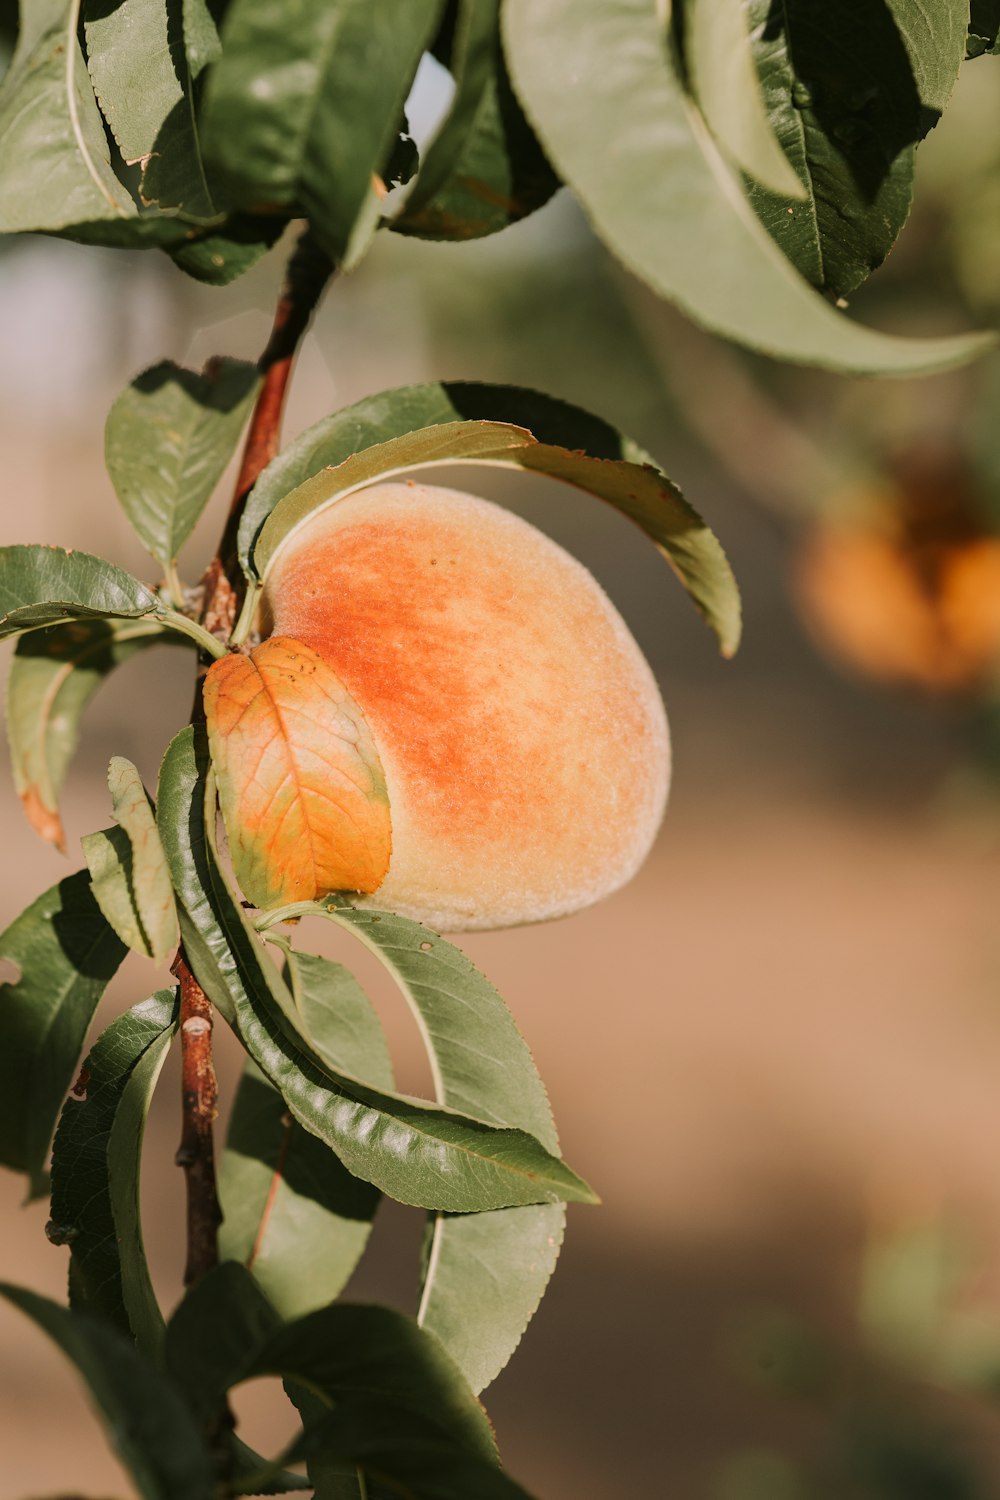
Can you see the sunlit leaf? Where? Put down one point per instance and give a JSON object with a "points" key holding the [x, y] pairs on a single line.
{"points": [[168, 438], [41, 585], [95, 1171], [145, 1420], [301, 117], [52, 678], [293, 753], [604, 91], [433, 424], [486, 1273], [65, 953], [144, 77], [129, 870], [413, 1151], [485, 168], [55, 166]]}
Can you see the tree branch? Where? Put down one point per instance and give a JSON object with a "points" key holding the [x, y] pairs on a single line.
{"points": [[196, 1153], [308, 272]]}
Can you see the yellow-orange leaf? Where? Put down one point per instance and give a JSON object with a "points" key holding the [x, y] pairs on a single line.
{"points": [[300, 781]]}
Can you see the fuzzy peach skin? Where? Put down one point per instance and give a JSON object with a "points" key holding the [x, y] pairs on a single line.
{"points": [[522, 736]]}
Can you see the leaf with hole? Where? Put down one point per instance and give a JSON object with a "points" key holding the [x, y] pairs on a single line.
{"points": [[431, 1157], [143, 1415], [168, 438], [578, 65], [95, 1172], [484, 169], [52, 678], [457, 422], [65, 953]]}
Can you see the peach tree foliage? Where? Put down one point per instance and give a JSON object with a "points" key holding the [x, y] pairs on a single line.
{"points": [[722, 152]]}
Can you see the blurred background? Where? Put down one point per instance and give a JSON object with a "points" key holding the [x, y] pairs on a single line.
{"points": [[777, 1053]]}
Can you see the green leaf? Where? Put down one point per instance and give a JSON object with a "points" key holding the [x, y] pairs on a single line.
{"points": [[55, 166], [397, 1455], [128, 869], [291, 1212], [433, 424], [53, 676], [216, 1332], [217, 257], [427, 1156], [65, 954], [724, 81], [606, 97], [300, 117], [485, 168], [349, 1351], [485, 1273], [144, 78], [95, 1172], [851, 134], [40, 585], [143, 1415], [168, 438]]}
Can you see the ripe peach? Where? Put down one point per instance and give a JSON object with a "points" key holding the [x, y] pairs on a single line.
{"points": [[520, 732]]}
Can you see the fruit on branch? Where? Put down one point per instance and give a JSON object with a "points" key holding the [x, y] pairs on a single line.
{"points": [[446, 713]]}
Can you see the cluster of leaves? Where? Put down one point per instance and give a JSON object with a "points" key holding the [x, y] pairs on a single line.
{"points": [[318, 1132], [751, 162]]}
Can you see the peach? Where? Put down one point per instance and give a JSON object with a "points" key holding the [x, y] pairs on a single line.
{"points": [[519, 730]]}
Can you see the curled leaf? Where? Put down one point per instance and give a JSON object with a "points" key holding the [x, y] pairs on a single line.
{"points": [[302, 789]]}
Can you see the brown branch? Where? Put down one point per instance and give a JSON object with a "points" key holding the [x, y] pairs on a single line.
{"points": [[308, 272], [196, 1153]]}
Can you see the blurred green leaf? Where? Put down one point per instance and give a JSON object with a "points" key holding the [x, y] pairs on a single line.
{"points": [[291, 1212], [219, 256], [128, 869], [427, 1156], [168, 438], [485, 168], [724, 81], [215, 1333], [606, 97], [300, 117], [455, 421], [52, 678], [143, 1415], [65, 953], [95, 1172], [41, 585]]}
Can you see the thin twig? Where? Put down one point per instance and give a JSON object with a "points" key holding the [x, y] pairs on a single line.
{"points": [[196, 1153]]}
